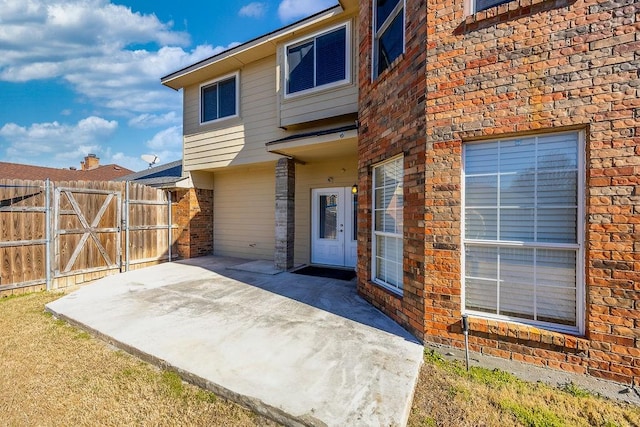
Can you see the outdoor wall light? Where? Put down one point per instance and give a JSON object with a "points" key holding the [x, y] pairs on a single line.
{"points": [[354, 189]]}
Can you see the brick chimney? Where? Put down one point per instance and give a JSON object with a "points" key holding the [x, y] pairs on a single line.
{"points": [[90, 162]]}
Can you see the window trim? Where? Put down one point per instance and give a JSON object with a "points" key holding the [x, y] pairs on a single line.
{"points": [[206, 84], [385, 25], [348, 54], [394, 289], [579, 246]]}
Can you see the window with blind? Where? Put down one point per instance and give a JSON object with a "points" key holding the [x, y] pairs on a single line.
{"points": [[522, 229], [479, 5], [387, 224], [388, 32], [218, 99], [320, 61]]}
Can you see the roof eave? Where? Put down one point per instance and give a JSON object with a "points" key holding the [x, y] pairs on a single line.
{"points": [[176, 79]]}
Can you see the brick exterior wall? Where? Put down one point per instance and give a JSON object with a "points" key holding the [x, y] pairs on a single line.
{"points": [[540, 66], [392, 122], [521, 68], [193, 213]]}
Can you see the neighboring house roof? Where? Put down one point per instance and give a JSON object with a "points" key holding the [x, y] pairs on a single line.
{"points": [[162, 176], [250, 51], [30, 172]]}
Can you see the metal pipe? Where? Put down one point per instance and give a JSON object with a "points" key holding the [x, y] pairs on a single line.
{"points": [[47, 227], [465, 331], [126, 225], [169, 222]]}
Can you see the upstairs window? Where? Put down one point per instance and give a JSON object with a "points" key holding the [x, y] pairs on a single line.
{"points": [[318, 61], [388, 30], [479, 5], [219, 99]]}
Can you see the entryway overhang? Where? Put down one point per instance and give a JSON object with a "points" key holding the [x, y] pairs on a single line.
{"points": [[312, 146]]}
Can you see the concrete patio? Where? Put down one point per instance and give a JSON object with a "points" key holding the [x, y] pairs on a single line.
{"points": [[298, 349]]}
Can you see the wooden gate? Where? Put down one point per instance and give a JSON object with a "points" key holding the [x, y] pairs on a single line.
{"points": [[86, 230]]}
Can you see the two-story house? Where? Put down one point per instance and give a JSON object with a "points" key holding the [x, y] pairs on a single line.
{"points": [[271, 127], [493, 152]]}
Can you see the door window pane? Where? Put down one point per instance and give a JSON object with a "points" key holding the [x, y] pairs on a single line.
{"points": [[328, 217]]}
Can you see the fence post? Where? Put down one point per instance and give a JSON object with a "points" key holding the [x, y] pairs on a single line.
{"points": [[170, 228], [47, 228], [126, 225]]}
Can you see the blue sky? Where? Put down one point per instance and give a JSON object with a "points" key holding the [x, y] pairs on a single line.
{"points": [[83, 76]]}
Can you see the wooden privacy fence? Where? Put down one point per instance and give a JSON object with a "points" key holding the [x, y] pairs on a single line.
{"points": [[54, 235]]}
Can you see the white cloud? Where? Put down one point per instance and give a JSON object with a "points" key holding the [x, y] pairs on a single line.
{"points": [[55, 144], [253, 10], [144, 121], [166, 144], [132, 163], [167, 139], [96, 46], [289, 10]]}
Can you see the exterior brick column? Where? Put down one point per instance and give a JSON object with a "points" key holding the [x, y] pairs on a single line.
{"points": [[285, 213], [193, 213]]}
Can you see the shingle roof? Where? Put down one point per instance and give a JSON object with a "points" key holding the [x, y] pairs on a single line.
{"points": [[160, 176], [30, 172]]}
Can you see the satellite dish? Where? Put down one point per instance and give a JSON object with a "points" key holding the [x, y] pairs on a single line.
{"points": [[152, 159]]}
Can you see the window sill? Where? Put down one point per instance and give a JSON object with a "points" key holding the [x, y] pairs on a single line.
{"points": [[524, 332], [220, 121], [391, 290], [377, 78], [316, 91]]}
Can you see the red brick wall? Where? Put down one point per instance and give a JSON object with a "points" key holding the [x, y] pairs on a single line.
{"points": [[193, 213], [524, 67], [392, 122]]}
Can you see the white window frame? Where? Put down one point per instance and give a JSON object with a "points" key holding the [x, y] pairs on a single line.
{"points": [[400, 236], [348, 54], [236, 75], [579, 246], [376, 34]]}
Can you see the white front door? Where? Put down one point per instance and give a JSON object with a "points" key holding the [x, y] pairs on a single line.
{"points": [[333, 240]]}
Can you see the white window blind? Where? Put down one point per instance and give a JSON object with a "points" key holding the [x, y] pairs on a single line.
{"points": [[319, 61], [387, 224], [522, 240]]}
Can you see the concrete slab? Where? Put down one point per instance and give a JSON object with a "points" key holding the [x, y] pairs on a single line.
{"points": [[299, 349], [260, 266]]}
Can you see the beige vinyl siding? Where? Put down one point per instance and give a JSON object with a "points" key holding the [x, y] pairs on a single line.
{"points": [[240, 140], [244, 212], [319, 105], [316, 175]]}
